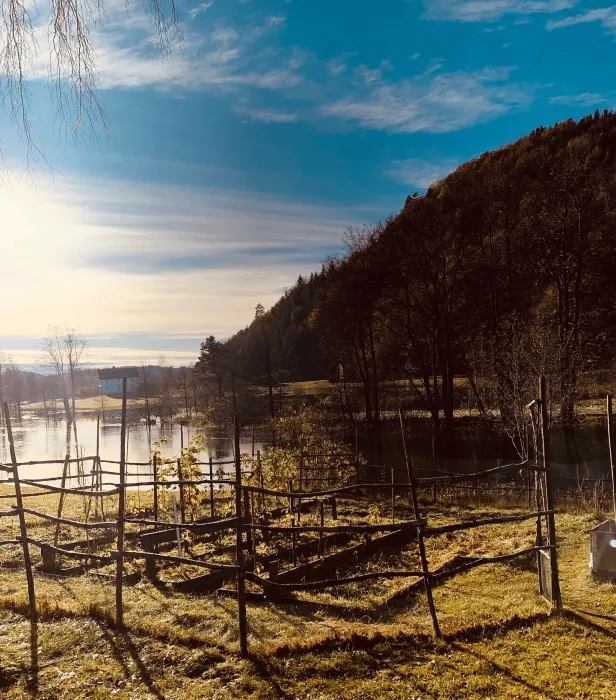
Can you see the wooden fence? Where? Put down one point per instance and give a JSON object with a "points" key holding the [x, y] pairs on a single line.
{"points": [[251, 519]]}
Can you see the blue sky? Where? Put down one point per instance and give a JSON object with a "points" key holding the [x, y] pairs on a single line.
{"points": [[236, 164]]}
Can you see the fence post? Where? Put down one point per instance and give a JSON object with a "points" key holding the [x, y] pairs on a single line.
{"points": [[261, 481], [121, 509], [155, 474], [293, 540], [322, 522], [409, 470], [61, 499], [24, 544], [241, 572], [427, 581], [96, 466], [248, 520], [211, 487], [180, 479], [538, 487], [529, 499], [393, 496], [609, 442], [549, 495]]}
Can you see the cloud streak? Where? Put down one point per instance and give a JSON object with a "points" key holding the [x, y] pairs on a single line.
{"points": [[491, 10], [606, 16], [269, 116], [222, 56], [585, 99], [420, 173], [435, 103], [122, 257]]}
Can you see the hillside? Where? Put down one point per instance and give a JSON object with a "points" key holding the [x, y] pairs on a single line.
{"points": [[503, 270]]}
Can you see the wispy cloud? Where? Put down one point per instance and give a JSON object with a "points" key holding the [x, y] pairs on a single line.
{"points": [[420, 173], [126, 257], [275, 20], [585, 99], [222, 59], [193, 12], [336, 66], [434, 103], [491, 10], [368, 75], [221, 56], [606, 16], [269, 116]]}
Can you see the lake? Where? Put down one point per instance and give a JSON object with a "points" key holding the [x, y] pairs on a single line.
{"points": [[584, 456], [37, 439]]}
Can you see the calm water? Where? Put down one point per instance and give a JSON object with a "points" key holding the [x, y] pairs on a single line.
{"points": [[582, 456], [36, 439]]}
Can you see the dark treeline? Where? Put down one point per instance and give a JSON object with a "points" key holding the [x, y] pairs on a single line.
{"points": [[502, 271]]}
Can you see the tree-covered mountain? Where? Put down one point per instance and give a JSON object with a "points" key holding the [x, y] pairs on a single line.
{"points": [[502, 270]]}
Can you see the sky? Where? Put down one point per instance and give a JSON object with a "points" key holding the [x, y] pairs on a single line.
{"points": [[227, 168]]}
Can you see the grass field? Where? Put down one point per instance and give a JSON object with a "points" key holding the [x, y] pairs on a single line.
{"points": [[499, 638], [93, 403]]}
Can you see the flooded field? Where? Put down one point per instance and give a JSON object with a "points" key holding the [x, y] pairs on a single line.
{"points": [[38, 439]]}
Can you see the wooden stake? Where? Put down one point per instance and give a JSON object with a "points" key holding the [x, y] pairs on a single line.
{"points": [[100, 487], [609, 442], [24, 543], [177, 532], [239, 553], [182, 504], [322, 522], [549, 495], [155, 475], [409, 470], [61, 500], [427, 582], [211, 487], [393, 496], [293, 541], [121, 513], [261, 481], [290, 497], [95, 465], [247, 519]]}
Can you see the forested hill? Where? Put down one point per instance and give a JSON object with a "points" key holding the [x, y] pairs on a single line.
{"points": [[505, 268]]}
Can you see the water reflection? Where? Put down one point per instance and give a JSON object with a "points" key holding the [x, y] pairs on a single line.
{"points": [[38, 439], [577, 455], [581, 455]]}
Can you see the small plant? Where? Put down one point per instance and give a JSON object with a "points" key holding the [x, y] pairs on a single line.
{"points": [[187, 466], [305, 455]]}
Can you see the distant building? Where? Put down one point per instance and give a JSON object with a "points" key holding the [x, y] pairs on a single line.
{"points": [[111, 380]]}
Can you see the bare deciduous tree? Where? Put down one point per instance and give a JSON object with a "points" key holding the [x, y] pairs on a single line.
{"points": [[59, 33], [62, 351]]}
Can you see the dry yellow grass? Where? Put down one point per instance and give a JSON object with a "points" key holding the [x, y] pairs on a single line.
{"points": [[499, 639], [93, 403]]}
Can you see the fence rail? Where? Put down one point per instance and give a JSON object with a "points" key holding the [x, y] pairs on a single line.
{"points": [[247, 526]]}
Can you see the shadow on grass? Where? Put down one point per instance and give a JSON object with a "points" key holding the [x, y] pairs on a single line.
{"points": [[503, 671], [264, 671], [366, 642], [118, 651], [589, 624]]}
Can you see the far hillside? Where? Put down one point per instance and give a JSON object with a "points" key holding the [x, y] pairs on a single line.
{"points": [[500, 272]]}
